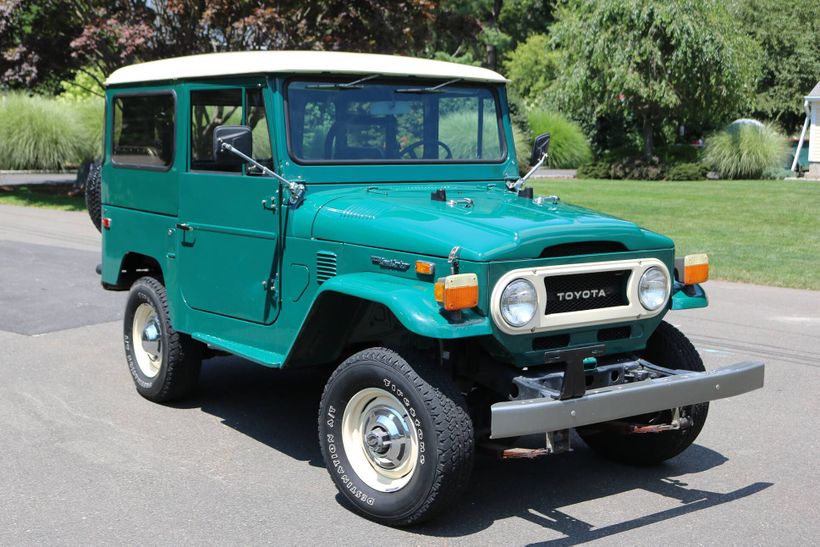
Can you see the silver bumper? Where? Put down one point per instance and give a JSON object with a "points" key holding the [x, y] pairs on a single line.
{"points": [[542, 415]]}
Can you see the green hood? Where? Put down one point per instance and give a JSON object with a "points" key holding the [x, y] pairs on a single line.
{"points": [[499, 226]]}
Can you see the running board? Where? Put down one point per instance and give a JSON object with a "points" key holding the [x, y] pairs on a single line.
{"points": [[251, 353]]}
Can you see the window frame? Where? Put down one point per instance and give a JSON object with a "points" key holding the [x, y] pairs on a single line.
{"points": [[158, 169], [493, 89]]}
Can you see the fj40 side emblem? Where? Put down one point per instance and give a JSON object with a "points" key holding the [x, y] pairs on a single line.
{"points": [[390, 263]]}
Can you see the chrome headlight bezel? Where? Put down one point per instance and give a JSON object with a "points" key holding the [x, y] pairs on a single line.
{"points": [[513, 318], [656, 280]]}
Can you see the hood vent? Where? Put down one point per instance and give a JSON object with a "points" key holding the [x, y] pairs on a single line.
{"points": [[582, 248], [325, 266]]}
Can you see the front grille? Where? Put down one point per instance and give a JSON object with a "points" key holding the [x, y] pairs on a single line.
{"points": [[589, 291]]}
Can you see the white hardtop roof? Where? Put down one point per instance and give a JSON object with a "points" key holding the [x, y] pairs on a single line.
{"points": [[814, 93], [295, 62]]}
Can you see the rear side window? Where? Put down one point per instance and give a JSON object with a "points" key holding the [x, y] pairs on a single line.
{"points": [[143, 133]]}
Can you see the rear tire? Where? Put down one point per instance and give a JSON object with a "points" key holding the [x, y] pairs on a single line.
{"points": [[164, 363], [396, 439], [93, 195], [667, 347]]}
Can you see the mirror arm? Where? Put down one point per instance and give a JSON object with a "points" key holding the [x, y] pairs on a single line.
{"points": [[296, 190], [517, 185]]}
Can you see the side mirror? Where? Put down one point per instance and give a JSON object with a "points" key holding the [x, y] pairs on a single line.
{"points": [[540, 147], [239, 137]]}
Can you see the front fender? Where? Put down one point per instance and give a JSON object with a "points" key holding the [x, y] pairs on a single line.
{"points": [[412, 302], [687, 297]]}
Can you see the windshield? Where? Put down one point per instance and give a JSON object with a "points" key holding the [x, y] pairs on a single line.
{"points": [[333, 122]]}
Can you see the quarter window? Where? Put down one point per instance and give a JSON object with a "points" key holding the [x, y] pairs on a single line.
{"points": [[143, 134]]}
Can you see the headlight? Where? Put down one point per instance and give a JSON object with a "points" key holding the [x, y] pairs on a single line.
{"points": [[653, 288], [519, 302]]}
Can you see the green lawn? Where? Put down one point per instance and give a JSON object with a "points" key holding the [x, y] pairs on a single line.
{"points": [[51, 197], [765, 232]]}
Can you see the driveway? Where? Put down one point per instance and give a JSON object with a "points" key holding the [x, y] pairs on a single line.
{"points": [[87, 461]]}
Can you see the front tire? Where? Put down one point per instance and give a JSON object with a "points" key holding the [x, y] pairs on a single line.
{"points": [[396, 439], [667, 347], [164, 363]]}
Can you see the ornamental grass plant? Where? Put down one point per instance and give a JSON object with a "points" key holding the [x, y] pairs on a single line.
{"points": [[569, 147], [45, 133], [745, 151]]}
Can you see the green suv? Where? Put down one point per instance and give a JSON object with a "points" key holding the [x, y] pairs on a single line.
{"points": [[365, 213]]}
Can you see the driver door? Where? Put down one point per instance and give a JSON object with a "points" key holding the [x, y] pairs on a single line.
{"points": [[228, 232]]}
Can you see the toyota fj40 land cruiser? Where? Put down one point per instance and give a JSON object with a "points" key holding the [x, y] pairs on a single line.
{"points": [[366, 212]]}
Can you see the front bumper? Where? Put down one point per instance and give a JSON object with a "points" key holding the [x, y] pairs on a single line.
{"points": [[542, 415]]}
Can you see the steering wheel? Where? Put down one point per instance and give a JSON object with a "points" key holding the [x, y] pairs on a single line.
{"points": [[410, 150]]}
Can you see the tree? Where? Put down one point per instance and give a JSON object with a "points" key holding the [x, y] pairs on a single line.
{"points": [[651, 63], [60, 37], [788, 32], [34, 41], [485, 30], [531, 68]]}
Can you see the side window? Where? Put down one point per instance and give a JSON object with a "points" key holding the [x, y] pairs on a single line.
{"points": [[143, 132], [210, 109]]}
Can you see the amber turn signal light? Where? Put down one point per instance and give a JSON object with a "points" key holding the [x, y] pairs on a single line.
{"points": [[457, 292], [695, 269], [425, 268]]}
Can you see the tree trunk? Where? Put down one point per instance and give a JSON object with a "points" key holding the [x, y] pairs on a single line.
{"points": [[648, 144]]}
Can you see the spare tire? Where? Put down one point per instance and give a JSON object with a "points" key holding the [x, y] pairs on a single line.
{"points": [[93, 197]]}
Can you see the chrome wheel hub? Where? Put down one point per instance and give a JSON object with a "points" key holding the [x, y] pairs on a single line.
{"points": [[386, 437], [146, 334], [380, 440]]}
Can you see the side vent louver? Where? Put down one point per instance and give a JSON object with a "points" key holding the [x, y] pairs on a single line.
{"points": [[325, 266]]}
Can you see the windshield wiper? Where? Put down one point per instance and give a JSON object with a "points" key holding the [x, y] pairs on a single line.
{"points": [[356, 84], [434, 89]]}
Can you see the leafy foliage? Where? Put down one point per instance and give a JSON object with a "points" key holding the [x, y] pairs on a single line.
{"points": [[745, 151], [648, 63], [687, 171], [788, 32], [568, 144], [531, 68], [42, 133]]}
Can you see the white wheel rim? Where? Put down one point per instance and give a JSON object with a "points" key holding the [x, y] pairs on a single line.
{"points": [[147, 340], [380, 440]]}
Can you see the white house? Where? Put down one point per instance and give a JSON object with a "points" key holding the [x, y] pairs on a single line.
{"points": [[812, 106]]}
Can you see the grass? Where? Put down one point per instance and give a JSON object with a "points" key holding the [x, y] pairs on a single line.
{"points": [[49, 197], [755, 231], [745, 151], [45, 133]]}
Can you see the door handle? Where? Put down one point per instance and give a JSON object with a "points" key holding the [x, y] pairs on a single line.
{"points": [[184, 227]]}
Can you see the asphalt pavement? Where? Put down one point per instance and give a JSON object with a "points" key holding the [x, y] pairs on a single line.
{"points": [[86, 460]]}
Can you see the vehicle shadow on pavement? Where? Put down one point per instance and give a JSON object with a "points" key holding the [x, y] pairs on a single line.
{"points": [[537, 490], [276, 407]]}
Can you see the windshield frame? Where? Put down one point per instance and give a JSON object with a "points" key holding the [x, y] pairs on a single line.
{"points": [[417, 82]]}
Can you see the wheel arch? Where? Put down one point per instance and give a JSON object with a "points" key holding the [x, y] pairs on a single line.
{"points": [[375, 305], [132, 266]]}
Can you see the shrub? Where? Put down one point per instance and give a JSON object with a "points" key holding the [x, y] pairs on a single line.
{"points": [[43, 133], [745, 151], [569, 147], [687, 171], [597, 170]]}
